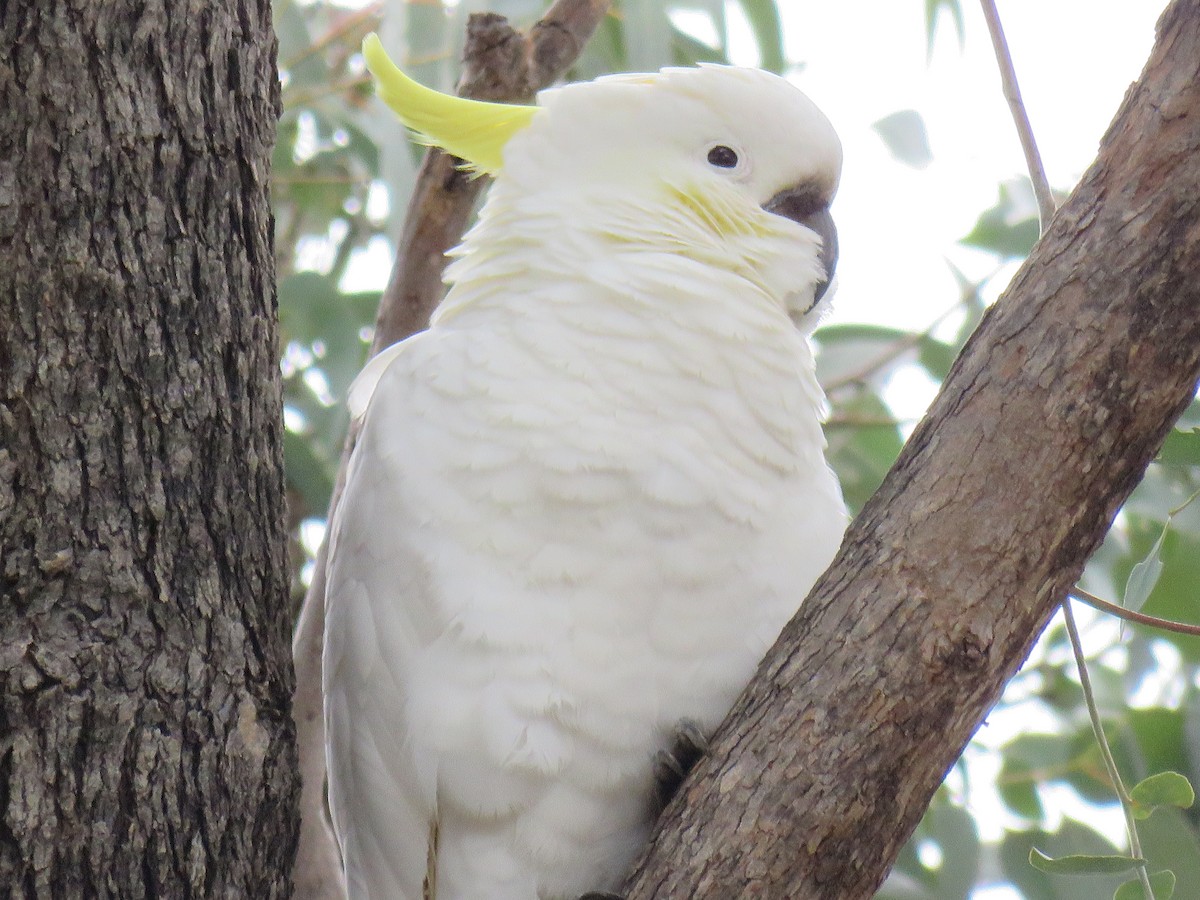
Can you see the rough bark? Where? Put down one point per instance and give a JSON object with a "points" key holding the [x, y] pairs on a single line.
{"points": [[499, 63], [1044, 426], [146, 747]]}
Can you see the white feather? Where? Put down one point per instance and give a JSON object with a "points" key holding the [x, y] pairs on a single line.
{"points": [[585, 501]]}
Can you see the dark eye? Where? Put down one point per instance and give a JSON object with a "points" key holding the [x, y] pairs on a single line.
{"points": [[722, 157]]}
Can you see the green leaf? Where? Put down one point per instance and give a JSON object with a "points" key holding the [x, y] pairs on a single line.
{"points": [[1029, 760], [1088, 775], [845, 351], [906, 137], [1070, 838], [1174, 596], [1082, 865], [604, 53], [1159, 732], [1145, 575], [763, 16], [953, 831], [932, 9], [1181, 448], [1038, 752], [1170, 842], [1010, 228], [291, 27], [1022, 798], [687, 51], [648, 32], [936, 358], [307, 473], [1163, 789], [862, 453], [1161, 883]]}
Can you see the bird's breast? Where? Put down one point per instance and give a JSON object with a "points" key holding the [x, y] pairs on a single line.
{"points": [[619, 523]]}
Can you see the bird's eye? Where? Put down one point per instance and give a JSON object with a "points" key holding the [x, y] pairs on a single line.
{"points": [[723, 157]]}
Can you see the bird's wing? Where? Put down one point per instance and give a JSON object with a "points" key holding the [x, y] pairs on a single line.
{"points": [[382, 783]]}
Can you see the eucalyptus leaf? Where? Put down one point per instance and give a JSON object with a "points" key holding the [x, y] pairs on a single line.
{"points": [[1161, 883], [687, 51], [648, 33], [1170, 841], [1010, 228], [1082, 865], [307, 472], [936, 358], [1145, 575], [1021, 797], [763, 16], [1181, 448], [906, 137], [933, 8], [1070, 838], [1163, 789]]}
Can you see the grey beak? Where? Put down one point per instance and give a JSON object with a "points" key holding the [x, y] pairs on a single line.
{"points": [[801, 205]]}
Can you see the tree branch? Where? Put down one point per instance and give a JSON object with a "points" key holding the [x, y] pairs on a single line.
{"points": [[1129, 615], [1045, 424], [499, 64]]}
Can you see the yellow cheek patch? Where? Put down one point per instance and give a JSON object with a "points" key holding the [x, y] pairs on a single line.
{"points": [[471, 129], [717, 213]]}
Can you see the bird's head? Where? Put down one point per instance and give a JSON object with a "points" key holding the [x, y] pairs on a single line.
{"points": [[738, 155]]}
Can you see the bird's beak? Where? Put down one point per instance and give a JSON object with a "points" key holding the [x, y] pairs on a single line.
{"points": [[801, 205]]}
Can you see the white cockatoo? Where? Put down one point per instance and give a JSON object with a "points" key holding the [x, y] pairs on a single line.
{"points": [[585, 501]]}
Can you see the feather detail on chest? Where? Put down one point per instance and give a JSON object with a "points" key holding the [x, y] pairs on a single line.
{"points": [[588, 497]]}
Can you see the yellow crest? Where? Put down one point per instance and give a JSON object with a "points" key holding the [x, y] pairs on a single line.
{"points": [[471, 129]]}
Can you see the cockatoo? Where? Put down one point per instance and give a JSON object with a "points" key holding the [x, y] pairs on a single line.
{"points": [[585, 501]]}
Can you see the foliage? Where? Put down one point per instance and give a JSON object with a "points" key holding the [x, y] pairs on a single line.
{"points": [[340, 182]]}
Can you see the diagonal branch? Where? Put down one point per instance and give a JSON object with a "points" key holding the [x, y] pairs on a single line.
{"points": [[1045, 424], [499, 64]]}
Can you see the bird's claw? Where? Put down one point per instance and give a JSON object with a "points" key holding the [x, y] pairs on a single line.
{"points": [[672, 766]]}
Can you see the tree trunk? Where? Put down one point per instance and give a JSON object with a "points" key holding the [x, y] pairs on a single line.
{"points": [[147, 747], [1044, 426]]}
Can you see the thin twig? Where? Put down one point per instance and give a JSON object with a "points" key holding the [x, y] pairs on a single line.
{"points": [[293, 99], [895, 350], [360, 181], [1130, 616], [1141, 618], [364, 17], [1012, 93], [853, 421], [1182, 506], [1135, 844]]}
